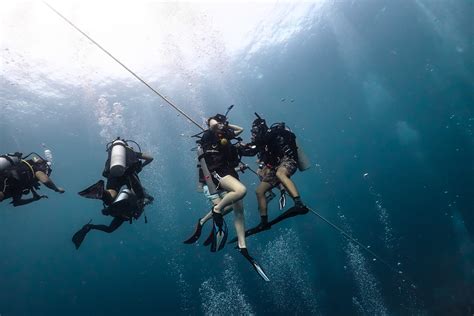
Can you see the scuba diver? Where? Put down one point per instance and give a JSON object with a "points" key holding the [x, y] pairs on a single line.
{"points": [[123, 204], [19, 176], [279, 156], [218, 159]]}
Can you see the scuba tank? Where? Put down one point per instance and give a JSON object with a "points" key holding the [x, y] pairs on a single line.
{"points": [[125, 204], [205, 171], [118, 158], [9, 160], [303, 160]]}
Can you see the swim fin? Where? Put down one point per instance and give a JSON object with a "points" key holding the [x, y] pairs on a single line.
{"points": [[79, 236], [208, 240], [252, 231], [95, 191], [195, 236], [254, 264], [292, 211], [219, 232]]}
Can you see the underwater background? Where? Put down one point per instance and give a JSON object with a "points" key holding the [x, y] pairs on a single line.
{"points": [[379, 93]]}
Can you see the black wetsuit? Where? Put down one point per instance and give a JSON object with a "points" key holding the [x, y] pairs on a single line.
{"points": [[20, 179], [221, 157], [273, 146], [129, 179]]}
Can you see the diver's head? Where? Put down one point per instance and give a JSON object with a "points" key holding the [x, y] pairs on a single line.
{"points": [[41, 164], [259, 128], [216, 122]]}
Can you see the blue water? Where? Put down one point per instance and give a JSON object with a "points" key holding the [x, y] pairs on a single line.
{"points": [[380, 95]]}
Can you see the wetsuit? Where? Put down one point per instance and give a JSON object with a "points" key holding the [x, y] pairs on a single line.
{"points": [[221, 157], [20, 179], [129, 179], [275, 148]]}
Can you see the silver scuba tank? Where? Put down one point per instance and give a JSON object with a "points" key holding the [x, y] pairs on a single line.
{"points": [[124, 194], [8, 160], [125, 202], [303, 160], [205, 171], [118, 158]]}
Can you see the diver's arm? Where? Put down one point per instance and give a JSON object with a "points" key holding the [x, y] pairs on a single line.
{"points": [[148, 158], [237, 129], [44, 179], [248, 150]]}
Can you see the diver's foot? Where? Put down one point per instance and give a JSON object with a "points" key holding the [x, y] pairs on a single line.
{"points": [[197, 233], [300, 209]]}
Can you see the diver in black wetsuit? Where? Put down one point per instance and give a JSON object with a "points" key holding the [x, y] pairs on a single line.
{"points": [[123, 205], [219, 159], [23, 177], [278, 157]]}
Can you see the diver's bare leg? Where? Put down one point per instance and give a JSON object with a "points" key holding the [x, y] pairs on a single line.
{"points": [[235, 192], [239, 223], [261, 199], [283, 175], [208, 216]]}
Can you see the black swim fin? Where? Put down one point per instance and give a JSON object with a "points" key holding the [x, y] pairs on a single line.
{"points": [[254, 264], [292, 211], [79, 236], [208, 240], [195, 236], [95, 191], [252, 231], [219, 232]]}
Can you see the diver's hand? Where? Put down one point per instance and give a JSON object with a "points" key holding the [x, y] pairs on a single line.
{"points": [[60, 190]]}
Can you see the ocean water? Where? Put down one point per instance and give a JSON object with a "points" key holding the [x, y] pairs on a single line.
{"points": [[379, 93]]}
